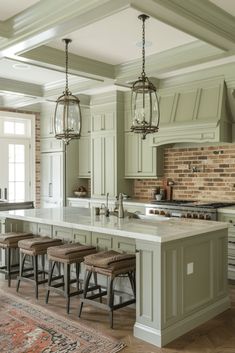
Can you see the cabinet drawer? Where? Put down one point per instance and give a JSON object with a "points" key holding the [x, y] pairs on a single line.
{"points": [[82, 236], [126, 245], [65, 234], [44, 230], [227, 217], [102, 241]]}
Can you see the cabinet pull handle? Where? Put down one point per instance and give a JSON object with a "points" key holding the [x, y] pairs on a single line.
{"points": [[0, 193], [50, 190], [5, 193], [89, 171]]}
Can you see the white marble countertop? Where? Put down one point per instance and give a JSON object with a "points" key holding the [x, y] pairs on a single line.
{"points": [[150, 230], [230, 209], [128, 201]]}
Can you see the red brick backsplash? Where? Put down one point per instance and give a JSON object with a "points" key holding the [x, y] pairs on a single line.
{"points": [[199, 173]]}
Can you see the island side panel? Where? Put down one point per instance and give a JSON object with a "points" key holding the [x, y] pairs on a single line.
{"points": [[183, 287]]}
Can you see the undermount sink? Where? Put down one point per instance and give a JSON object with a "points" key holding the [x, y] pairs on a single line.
{"points": [[133, 215]]}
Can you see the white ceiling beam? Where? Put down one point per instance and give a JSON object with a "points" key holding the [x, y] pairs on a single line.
{"points": [[50, 19], [199, 18], [19, 87], [55, 59]]}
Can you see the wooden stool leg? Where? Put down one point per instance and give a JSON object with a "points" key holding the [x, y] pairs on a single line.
{"points": [[51, 269], [8, 253], [22, 261], [35, 269], [110, 297], [67, 285]]}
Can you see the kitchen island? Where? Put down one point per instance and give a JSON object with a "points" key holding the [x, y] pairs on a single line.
{"points": [[181, 263]]}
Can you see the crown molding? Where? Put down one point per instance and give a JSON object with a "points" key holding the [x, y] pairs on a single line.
{"points": [[169, 60]]}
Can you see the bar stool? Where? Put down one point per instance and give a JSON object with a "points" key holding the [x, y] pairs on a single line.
{"points": [[67, 254], [8, 242], [111, 264], [34, 248]]}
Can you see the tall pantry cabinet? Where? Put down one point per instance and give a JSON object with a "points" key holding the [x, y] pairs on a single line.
{"points": [[59, 163], [107, 146]]}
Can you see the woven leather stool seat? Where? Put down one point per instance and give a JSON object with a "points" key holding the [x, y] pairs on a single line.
{"points": [[67, 255], [9, 242], [35, 248], [112, 264], [70, 253], [12, 239], [111, 261], [37, 245]]}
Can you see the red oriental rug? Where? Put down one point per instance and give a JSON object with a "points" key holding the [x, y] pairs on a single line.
{"points": [[28, 328]]}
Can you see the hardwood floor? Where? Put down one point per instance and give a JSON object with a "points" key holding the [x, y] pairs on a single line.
{"points": [[217, 335]]}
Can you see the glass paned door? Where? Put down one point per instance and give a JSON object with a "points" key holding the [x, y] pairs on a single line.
{"points": [[14, 182]]}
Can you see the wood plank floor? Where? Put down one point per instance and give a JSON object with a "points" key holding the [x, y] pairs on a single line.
{"points": [[217, 335]]}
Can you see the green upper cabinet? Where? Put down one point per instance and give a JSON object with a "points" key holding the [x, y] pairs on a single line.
{"points": [[86, 121], [84, 144], [141, 159], [84, 157], [107, 146], [47, 119]]}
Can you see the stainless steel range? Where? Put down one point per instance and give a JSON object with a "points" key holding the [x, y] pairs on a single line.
{"points": [[186, 209]]}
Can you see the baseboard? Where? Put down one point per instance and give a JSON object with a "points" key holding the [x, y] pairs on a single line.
{"points": [[160, 338]]}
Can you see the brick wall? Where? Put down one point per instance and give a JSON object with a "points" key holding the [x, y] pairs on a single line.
{"points": [[199, 173]]}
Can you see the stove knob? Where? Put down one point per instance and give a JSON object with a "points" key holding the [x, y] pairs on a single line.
{"points": [[208, 217], [167, 214], [201, 216], [195, 215], [151, 211], [156, 211], [189, 215], [162, 213], [183, 215]]}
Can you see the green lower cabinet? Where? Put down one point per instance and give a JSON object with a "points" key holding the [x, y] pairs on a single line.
{"points": [[102, 242], [65, 234], [124, 245], [44, 230], [82, 236]]}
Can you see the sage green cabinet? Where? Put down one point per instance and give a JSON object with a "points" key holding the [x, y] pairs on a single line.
{"points": [[104, 173], [84, 157], [107, 146], [46, 119], [102, 242], [141, 159], [230, 219], [82, 237]]}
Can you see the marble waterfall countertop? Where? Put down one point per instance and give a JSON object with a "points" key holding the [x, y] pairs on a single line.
{"points": [[156, 230]]}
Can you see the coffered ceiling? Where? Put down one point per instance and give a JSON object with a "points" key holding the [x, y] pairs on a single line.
{"points": [[182, 36]]}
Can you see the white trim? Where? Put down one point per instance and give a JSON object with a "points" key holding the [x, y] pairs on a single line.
{"points": [[32, 158]]}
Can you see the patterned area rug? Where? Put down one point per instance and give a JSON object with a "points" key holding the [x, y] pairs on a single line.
{"points": [[28, 328]]}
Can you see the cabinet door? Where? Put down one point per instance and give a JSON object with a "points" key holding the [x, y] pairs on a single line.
{"points": [[65, 234], [84, 157], [82, 237], [147, 158], [131, 154], [124, 245], [109, 165], [45, 174], [52, 176], [102, 242], [57, 176], [47, 119], [86, 122], [97, 166]]}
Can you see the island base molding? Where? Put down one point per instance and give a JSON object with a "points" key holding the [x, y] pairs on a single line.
{"points": [[161, 338]]}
